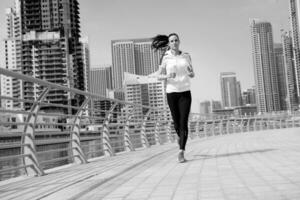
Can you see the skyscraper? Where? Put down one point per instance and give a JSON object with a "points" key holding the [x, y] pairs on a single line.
{"points": [[248, 97], [239, 92], [229, 90], [100, 80], [12, 87], [295, 26], [49, 46], [145, 91], [290, 77], [207, 107], [86, 62], [134, 56], [281, 73], [265, 73]]}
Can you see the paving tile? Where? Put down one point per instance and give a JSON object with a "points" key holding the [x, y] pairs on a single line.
{"points": [[258, 165]]}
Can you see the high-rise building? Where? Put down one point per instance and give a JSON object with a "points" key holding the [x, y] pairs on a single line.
{"points": [[100, 80], [290, 77], [265, 72], [230, 90], [295, 25], [281, 73], [145, 91], [134, 56], [248, 97], [207, 107], [46, 35], [12, 87], [86, 62], [239, 92]]}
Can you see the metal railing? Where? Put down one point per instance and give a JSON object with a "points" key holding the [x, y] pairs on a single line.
{"points": [[45, 132]]}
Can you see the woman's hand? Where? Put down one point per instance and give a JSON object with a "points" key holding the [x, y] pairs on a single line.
{"points": [[190, 71], [172, 75]]}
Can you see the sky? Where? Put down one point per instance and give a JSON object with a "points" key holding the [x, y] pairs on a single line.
{"points": [[215, 32]]}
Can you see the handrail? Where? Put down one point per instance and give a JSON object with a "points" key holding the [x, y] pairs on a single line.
{"points": [[56, 86]]}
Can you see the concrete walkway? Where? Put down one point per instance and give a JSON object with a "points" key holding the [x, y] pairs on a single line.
{"points": [[257, 165]]}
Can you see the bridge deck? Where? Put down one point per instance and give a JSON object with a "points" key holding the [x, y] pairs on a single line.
{"points": [[256, 165]]}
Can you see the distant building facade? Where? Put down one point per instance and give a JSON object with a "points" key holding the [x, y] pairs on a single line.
{"points": [[295, 26], [230, 90], [43, 37], [265, 73], [290, 73], [145, 91], [134, 56], [207, 107]]}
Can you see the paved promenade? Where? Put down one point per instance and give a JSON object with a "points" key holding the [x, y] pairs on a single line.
{"points": [[257, 165]]}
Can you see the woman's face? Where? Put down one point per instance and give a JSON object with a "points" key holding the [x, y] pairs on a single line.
{"points": [[174, 42]]}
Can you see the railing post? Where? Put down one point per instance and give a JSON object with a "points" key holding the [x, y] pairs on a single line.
{"points": [[243, 124], [213, 127], [261, 124], [248, 124], [234, 126], [144, 139], [221, 126], [205, 128], [128, 144], [77, 151], [108, 150], [255, 127], [169, 131], [240, 124], [293, 121], [197, 127], [169, 126], [268, 124], [28, 136], [227, 126], [280, 124], [156, 132]]}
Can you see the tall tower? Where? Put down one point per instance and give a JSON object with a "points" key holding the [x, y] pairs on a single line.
{"points": [[295, 26], [100, 80], [49, 49], [249, 97], [265, 73], [290, 77], [134, 56], [86, 62], [146, 60], [122, 61], [145, 91], [12, 87], [229, 90], [281, 73]]}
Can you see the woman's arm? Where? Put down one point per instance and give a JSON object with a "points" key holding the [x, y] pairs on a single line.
{"points": [[190, 71], [160, 76]]}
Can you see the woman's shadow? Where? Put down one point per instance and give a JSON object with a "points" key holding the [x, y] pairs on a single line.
{"points": [[207, 156]]}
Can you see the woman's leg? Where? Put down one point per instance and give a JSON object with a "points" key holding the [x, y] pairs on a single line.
{"points": [[184, 103], [172, 99]]}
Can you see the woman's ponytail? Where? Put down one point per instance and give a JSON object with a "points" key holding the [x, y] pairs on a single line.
{"points": [[160, 42]]}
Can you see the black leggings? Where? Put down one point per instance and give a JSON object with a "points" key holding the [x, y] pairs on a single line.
{"points": [[180, 105]]}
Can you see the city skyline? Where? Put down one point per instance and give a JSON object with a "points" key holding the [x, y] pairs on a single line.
{"points": [[211, 53]]}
